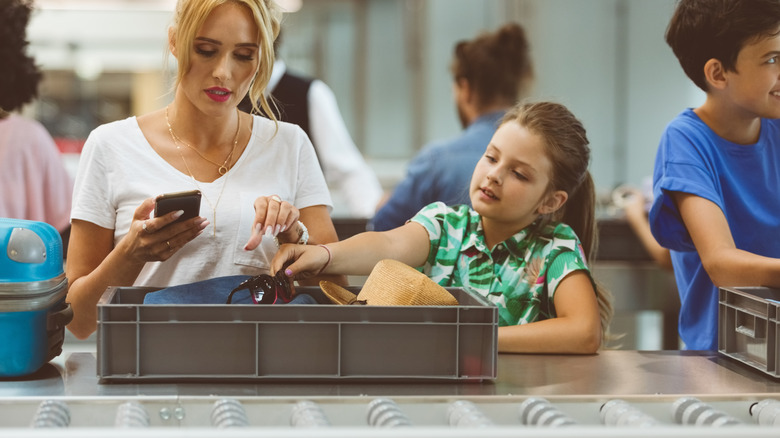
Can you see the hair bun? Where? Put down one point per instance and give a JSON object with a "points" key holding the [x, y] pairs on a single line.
{"points": [[513, 36]]}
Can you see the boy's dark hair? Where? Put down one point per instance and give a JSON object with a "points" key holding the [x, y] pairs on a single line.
{"points": [[19, 76], [701, 30], [497, 65]]}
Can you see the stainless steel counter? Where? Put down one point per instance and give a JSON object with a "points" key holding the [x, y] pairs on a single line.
{"points": [[609, 373], [576, 385]]}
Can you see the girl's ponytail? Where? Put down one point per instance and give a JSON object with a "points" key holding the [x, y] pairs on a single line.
{"points": [[580, 214]]}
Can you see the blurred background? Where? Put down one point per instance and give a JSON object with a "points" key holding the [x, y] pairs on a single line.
{"points": [[387, 62]]}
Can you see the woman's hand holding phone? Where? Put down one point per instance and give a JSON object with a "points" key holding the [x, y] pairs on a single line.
{"points": [[188, 202], [175, 223]]}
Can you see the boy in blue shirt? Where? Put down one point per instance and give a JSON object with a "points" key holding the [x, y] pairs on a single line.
{"points": [[717, 172]]}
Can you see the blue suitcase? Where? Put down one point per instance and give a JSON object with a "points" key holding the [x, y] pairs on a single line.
{"points": [[33, 312]]}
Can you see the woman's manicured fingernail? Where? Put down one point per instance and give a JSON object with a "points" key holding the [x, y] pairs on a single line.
{"points": [[178, 213], [288, 271], [277, 229]]}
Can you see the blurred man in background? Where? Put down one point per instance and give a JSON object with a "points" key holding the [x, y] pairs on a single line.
{"points": [[490, 73]]}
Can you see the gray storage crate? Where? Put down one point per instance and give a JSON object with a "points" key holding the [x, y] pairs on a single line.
{"points": [[138, 342], [748, 325]]}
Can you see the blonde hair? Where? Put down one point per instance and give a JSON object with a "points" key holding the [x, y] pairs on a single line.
{"points": [[189, 17], [566, 145]]}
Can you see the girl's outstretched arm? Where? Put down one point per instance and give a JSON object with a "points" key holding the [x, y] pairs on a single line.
{"points": [[576, 329], [357, 255]]}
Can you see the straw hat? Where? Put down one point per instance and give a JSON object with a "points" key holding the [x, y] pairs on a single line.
{"points": [[392, 283]]}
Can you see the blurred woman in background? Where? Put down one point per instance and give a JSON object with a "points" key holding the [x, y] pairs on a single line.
{"points": [[34, 183]]}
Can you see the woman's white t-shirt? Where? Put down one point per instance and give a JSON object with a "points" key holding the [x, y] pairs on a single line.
{"points": [[118, 169]]}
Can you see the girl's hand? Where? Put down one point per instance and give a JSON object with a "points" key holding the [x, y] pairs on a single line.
{"points": [[275, 217], [155, 239], [307, 260]]}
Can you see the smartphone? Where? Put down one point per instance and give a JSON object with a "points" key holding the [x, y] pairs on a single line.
{"points": [[188, 201]]}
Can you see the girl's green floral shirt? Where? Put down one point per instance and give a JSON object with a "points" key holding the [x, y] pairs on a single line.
{"points": [[519, 275]]}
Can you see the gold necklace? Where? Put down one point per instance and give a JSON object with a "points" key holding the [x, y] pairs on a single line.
{"points": [[226, 174], [221, 168]]}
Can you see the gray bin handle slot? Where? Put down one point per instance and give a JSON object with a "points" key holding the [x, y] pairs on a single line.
{"points": [[747, 331]]}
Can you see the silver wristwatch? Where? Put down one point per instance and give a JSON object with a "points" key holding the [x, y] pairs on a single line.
{"points": [[303, 235]]}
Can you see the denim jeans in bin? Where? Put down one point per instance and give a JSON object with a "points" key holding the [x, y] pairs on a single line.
{"points": [[212, 291]]}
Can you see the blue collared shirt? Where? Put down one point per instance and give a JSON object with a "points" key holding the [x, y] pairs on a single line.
{"points": [[440, 172]]}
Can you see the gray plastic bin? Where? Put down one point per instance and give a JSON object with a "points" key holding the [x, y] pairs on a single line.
{"points": [[137, 342], [748, 326]]}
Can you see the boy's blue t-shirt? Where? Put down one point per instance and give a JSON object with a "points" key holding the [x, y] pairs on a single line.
{"points": [[743, 180]]}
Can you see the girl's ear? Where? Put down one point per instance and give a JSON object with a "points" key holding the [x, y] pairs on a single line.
{"points": [[715, 74], [553, 202], [172, 42]]}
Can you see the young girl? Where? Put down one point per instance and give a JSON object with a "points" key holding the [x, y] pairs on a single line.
{"points": [[532, 196]]}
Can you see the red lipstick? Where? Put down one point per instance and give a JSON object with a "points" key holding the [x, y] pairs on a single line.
{"points": [[218, 94]]}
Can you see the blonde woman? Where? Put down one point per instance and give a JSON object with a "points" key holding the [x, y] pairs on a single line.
{"points": [[259, 178]]}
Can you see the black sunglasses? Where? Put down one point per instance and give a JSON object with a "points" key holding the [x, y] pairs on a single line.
{"points": [[266, 289]]}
